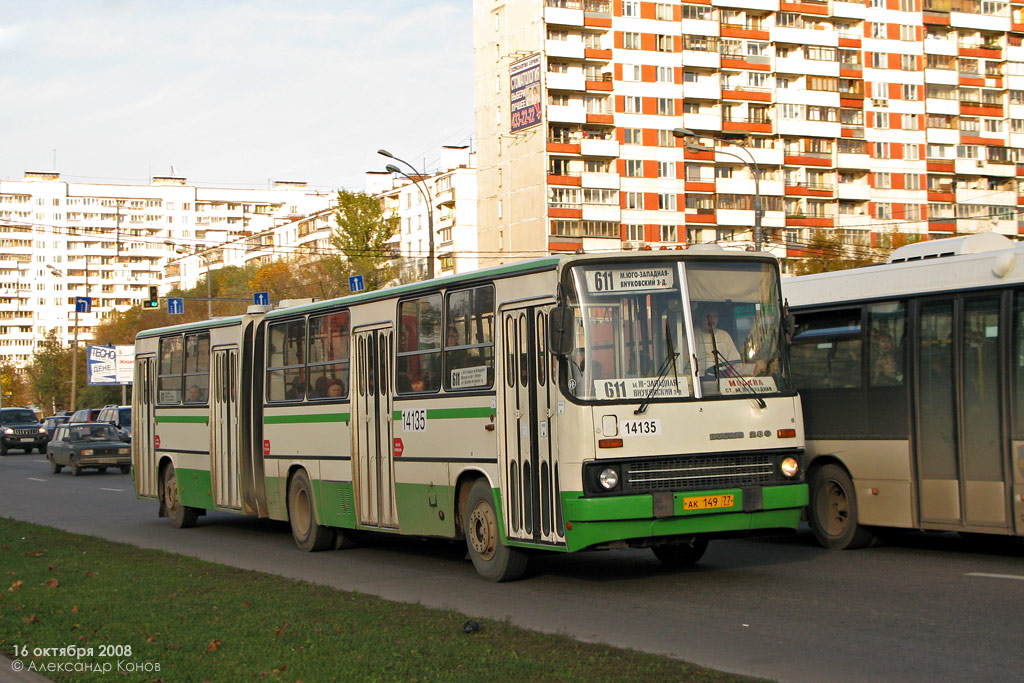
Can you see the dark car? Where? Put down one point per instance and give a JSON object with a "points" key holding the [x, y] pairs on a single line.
{"points": [[79, 445], [120, 417], [51, 423], [85, 415], [20, 428]]}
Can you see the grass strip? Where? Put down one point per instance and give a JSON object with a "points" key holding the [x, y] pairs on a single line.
{"points": [[184, 619]]}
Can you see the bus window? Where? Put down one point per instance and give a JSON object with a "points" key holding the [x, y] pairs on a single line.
{"points": [[469, 339], [197, 367], [886, 332], [826, 351], [328, 355], [419, 346], [169, 372], [1017, 361], [286, 379]]}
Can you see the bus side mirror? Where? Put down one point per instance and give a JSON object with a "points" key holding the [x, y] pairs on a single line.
{"points": [[561, 337], [788, 322]]}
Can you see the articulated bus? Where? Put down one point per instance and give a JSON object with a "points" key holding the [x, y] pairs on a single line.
{"points": [[912, 379], [561, 404]]}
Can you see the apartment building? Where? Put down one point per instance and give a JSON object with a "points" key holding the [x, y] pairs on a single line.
{"points": [[60, 240], [862, 117]]}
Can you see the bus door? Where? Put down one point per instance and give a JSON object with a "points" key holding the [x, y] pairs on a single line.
{"points": [[142, 427], [960, 436], [528, 458], [224, 428], [371, 428]]}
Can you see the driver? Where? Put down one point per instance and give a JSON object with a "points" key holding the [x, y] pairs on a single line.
{"points": [[708, 338]]}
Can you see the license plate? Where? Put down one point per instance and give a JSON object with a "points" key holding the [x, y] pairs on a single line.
{"points": [[725, 500], [26, 440], [107, 460]]}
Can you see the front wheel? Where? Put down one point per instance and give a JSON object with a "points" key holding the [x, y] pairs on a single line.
{"points": [[833, 510], [681, 554], [494, 560], [181, 516], [76, 469], [308, 535], [54, 467], [125, 469]]}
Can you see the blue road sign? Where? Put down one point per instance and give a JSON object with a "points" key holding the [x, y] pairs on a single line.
{"points": [[355, 283], [176, 306], [83, 304], [261, 298]]}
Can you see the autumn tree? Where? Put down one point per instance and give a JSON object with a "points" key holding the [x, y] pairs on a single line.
{"points": [[362, 236], [49, 374], [826, 251]]}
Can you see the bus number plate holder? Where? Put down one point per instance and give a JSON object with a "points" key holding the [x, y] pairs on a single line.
{"points": [[721, 501]]}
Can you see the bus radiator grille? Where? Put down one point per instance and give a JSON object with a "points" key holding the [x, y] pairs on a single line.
{"points": [[700, 472]]}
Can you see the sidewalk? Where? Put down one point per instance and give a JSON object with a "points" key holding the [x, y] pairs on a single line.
{"points": [[9, 675]]}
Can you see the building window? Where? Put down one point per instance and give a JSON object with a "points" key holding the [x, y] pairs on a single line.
{"points": [[634, 168], [666, 106], [663, 43], [666, 202], [666, 139], [631, 72], [630, 40], [666, 169], [669, 233], [665, 74], [634, 232], [632, 136], [634, 200], [883, 211], [631, 104]]}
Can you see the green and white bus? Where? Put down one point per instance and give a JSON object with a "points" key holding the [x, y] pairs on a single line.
{"points": [[561, 404]]}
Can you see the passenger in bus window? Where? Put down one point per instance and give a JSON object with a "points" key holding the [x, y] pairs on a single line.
{"points": [[295, 391], [195, 394], [335, 388], [885, 371]]}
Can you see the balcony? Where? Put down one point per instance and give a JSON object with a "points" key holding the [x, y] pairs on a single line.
{"points": [[599, 148]]}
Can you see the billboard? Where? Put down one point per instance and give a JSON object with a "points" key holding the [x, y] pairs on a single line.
{"points": [[525, 93], [109, 364]]}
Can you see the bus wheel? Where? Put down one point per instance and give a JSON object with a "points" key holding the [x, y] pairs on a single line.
{"points": [[308, 535], [493, 560], [181, 516], [681, 554], [833, 510]]}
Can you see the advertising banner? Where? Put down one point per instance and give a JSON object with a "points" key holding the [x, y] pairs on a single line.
{"points": [[101, 367], [525, 93]]}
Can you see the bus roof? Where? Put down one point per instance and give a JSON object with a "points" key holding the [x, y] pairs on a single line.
{"points": [[967, 266]]}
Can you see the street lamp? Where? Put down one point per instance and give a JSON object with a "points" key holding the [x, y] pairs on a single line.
{"points": [[179, 249], [422, 187], [74, 344], [751, 165]]}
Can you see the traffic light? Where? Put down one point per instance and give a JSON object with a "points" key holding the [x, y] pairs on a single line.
{"points": [[153, 301]]}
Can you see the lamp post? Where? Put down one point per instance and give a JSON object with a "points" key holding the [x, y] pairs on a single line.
{"points": [[422, 187], [179, 249], [751, 165], [74, 343]]}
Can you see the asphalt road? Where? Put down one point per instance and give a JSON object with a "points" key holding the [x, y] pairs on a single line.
{"points": [[921, 607]]}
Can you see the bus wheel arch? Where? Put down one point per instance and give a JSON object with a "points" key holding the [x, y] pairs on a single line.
{"points": [[493, 559], [832, 511], [309, 535]]}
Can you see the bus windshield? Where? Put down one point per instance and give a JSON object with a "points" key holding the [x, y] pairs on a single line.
{"points": [[670, 329]]}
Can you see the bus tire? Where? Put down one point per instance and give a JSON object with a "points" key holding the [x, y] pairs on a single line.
{"points": [[493, 560], [309, 536], [833, 510], [679, 555], [180, 515]]}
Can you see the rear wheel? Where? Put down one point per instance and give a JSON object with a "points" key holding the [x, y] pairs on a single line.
{"points": [[309, 536], [833, 510], [181, 516], [125, 469], [681, 554], [493, 560], [3, 448], [102, 469]]}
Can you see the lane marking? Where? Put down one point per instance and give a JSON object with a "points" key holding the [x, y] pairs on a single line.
{"points": [[103, 489], [34, 479], [1015, 577]]}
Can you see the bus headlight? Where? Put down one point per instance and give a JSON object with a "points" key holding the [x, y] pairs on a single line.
{"points": [[609, 478], [789, 467]]}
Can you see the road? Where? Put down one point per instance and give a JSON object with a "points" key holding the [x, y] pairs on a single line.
{"points": [[921, 607]]}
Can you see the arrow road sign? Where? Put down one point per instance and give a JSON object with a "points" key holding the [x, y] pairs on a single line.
{"points": [[176, 306]]}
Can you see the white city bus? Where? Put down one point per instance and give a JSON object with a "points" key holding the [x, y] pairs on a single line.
{"points": [[911, 375], [559, 404]]}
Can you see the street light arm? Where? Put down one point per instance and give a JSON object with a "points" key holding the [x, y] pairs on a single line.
{"points": [[422, 187]]}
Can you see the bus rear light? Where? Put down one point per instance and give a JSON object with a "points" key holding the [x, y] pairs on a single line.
{"points": [[786, 433], [609, 443]]}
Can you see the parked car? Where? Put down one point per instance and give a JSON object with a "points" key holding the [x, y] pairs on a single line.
{"points": [[86, 415], [79, 445], [51, 424], [20, 428], [120, 417]]}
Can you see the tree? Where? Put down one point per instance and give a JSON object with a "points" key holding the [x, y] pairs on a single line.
{"points": [[362, 237], [49, 374], [826, 251], [15, 389]]}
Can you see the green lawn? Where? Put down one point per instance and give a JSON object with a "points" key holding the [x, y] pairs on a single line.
{"points": [[188, 620]]}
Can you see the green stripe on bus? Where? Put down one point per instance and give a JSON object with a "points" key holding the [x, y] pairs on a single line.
{"points": [[299, 419], [182, 419], [451, 413]]}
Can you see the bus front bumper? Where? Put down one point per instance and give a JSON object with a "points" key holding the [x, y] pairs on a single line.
{"points": [[596, 521]]}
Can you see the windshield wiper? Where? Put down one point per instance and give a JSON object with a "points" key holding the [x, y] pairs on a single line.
{"points": [[728, 364], [670, 360]]}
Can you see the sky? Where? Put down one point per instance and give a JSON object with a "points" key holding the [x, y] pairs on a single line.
{"points": [[232, 93]]}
